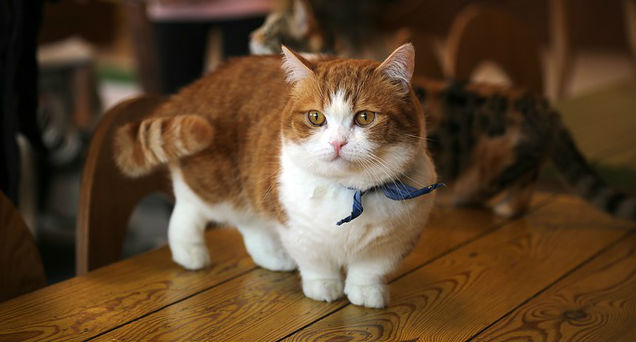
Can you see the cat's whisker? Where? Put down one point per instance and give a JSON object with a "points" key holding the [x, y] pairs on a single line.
{"points": [[381, 166], [367, 172], [426, 138], [415, 182], [416, 137]]}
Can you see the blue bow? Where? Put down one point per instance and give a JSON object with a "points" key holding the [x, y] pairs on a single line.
{"points": [[396, 191]]}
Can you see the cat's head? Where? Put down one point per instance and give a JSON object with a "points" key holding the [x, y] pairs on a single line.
{"points": [[356, 122], [295, 27]]}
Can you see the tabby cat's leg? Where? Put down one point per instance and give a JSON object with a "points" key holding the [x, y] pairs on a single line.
{"points": [[186, 236], [518, 196], [468, 190], [476, 186], [264, 246]]}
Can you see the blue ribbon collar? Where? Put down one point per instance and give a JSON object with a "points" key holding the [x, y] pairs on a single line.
{"points": [[395, 190]]}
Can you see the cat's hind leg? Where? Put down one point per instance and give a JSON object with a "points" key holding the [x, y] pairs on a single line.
{"points": [[186, 236], [264, 246]]}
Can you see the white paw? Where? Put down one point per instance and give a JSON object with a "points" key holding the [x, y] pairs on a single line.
{"points": [[325, 290], [192, 256], [274, 260], [505, 210], [371, 296]]}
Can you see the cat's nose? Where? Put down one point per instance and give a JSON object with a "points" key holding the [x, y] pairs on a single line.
{"points": [[337, 145]]}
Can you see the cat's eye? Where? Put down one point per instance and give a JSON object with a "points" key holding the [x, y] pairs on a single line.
{"points": [[316, 118], [364, 118]]}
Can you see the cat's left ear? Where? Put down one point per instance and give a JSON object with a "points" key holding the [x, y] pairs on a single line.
{"points": [[399, 66], [296, 67]]}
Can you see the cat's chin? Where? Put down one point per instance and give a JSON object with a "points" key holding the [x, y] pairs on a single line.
{"points": [[346, 173], [340, 160], [337, 166]]}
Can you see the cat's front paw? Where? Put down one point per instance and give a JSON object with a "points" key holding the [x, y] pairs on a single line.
{"points": [[326, 290], [371, 296], [192, 256]]}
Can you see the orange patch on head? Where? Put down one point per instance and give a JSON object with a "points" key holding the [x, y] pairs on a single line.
{"points": [[398, 118]]}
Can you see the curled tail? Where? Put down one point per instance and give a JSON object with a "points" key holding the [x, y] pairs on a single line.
{"points": [[585, 182], [139, 147]]}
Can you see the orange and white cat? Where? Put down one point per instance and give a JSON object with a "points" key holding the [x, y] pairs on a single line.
{"points": [[278, 147]]}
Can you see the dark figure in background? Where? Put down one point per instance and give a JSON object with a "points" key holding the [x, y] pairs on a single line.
{"points": [[181, 31], [19, 25]]}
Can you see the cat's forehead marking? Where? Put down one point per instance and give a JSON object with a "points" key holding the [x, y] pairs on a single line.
{"points": [[339, 106]]}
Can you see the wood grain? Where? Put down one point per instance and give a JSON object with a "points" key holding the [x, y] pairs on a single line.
{"points": [[21, 269], [468, 271], [455, 297], [594, 303], [268, 306], [85, 306]]}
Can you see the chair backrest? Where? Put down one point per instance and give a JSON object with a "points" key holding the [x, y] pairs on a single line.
{"points": [[480, 33], [21, 268], [427, 62], [107, 197], [143, 47]]}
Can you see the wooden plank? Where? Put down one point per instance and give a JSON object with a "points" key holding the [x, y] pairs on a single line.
{"points": [[455, 297], [264, 305], [594, 303], [85, 306], [112, 296], [89, 305]]}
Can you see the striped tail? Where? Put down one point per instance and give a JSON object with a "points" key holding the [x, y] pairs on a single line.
{"points": [[139, 147], [586, 182]]}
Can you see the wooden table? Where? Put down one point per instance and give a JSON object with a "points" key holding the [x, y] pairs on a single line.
{"points": [[562, 272]]}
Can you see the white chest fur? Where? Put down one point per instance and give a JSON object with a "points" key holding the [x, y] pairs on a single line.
{"points": [[314, 205]]}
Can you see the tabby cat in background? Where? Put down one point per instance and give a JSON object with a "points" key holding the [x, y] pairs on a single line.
{"points": [[488, 142], [327, 26], [280, 154]]}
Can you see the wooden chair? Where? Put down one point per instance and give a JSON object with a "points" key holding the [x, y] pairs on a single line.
{"points": [[21, 268], [480, 34], [567, 28], [107, 197], [146, 60], [427, 62]]}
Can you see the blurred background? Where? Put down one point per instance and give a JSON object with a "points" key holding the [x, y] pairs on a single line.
{"points": [[91, 55]]}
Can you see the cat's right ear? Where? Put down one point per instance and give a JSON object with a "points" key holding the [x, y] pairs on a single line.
{"points": [[399, 66], [296, 67]]}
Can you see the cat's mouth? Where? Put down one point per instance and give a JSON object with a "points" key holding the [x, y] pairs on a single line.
{"points": [[340, 158]]}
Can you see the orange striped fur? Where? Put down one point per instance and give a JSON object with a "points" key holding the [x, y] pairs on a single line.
{"points": [[141, 146]]}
